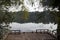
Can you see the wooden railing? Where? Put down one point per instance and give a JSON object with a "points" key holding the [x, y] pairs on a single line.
{"points": [[15, 31], [38, 30], [52, 33], [42, 30]]}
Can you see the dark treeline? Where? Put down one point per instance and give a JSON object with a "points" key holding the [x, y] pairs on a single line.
{"points": [[35, 17]]}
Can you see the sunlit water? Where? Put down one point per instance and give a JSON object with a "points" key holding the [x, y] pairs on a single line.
{"points": [[28, 27]]}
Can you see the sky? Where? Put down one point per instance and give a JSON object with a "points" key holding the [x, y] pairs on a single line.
{"points": [[36, 7], [27, 4]]}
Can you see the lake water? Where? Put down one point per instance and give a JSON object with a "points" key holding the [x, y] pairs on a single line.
{"points": [[28, 27]]}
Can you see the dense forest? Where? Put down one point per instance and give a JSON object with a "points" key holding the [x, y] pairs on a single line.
{"points": [[35, 17]]}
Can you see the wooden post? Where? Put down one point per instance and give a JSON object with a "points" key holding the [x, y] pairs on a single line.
{"points": [[19, 31], [36, 31], [32, 31]]}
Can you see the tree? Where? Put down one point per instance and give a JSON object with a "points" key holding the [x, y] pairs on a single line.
{"points": [[6, 17], [54, 4]]}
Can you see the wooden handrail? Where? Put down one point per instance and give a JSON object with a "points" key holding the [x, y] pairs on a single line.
{"points": [[47, 31], [40, 30], [15, 31]]}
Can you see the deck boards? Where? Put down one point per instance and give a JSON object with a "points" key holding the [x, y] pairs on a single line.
{"points": [[29, 36]]}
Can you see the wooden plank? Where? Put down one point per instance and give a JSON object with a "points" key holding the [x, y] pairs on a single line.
{"points": [[29, 36]]}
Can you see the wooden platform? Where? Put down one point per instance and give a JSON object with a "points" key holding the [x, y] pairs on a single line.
{"points": [[30, 36]]}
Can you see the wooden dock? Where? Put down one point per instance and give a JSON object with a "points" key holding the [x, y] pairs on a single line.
{"points": [[30, 35]]}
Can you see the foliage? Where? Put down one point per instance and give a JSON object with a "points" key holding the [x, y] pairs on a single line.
{"points": [[54, 4], [25, 15], [5, 16], [51, 3]]}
